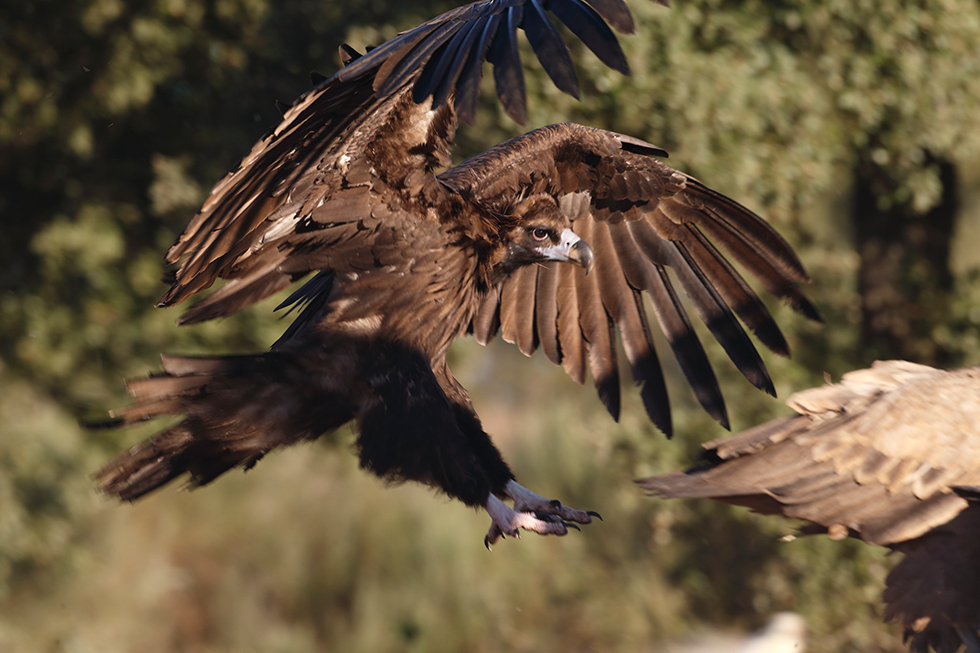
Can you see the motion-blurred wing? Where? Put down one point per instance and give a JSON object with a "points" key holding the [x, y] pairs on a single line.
{"points": [[882, 456], [641, 217], [451, 48]]}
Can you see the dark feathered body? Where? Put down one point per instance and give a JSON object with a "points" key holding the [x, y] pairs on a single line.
{"points": [[407, 260], [887, 456]]}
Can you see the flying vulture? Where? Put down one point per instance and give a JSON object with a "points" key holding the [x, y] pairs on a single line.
{"points": [[890, 455], [406, 260]]}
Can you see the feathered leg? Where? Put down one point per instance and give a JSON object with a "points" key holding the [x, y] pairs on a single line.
{"points": [[411, 430], [422, 427]]}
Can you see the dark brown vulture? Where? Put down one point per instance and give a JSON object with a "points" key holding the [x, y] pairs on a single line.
{"points": [[890, 455], [407, 260]]}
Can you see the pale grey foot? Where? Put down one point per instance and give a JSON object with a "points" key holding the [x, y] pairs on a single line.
{"points": [[532, 513]]}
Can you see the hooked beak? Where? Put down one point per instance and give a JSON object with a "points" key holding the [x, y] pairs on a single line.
{"points": [[571, 249]]}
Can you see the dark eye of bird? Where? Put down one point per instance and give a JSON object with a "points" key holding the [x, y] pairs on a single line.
{"points": [[539, 233]]}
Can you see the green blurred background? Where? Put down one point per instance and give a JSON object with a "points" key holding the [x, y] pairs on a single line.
{"points": [[852, 125]]}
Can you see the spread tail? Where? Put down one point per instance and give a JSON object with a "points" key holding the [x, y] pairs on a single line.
{"points": [[235, 408]]}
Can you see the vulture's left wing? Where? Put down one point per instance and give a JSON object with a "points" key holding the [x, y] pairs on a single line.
{"points": [[641, 217]]}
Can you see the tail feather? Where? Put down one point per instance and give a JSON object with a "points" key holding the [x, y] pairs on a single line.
{"points": [[158, 396], [164, 385], [235, 408], [142, 411], [147, 466]]}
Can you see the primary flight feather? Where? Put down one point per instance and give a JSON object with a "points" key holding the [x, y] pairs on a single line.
{"points": [[407, 260]]}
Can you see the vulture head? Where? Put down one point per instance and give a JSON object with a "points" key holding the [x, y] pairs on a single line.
{"points": [[541, 232]]}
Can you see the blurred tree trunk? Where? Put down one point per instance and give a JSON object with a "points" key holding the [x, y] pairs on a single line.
{"points": [[904, 278]]}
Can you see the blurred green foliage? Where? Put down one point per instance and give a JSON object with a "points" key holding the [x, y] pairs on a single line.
{"points": [[851, 125]]}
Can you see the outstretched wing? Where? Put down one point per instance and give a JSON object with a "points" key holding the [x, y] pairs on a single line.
{"points": [[876, 456], [313, 182], [884, 455], [641, 217], [312, 194]]}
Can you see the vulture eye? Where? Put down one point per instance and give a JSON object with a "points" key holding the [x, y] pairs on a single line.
{"points": [[540, 233]]}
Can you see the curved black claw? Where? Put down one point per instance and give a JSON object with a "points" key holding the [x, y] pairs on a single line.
{"points": [[495, 533], [593, 513]]}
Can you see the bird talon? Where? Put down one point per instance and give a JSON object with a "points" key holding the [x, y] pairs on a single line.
{"points": [[532, 513], [593, 513]]}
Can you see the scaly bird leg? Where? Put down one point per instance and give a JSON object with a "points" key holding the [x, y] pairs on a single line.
{"points": [[532, 513]]}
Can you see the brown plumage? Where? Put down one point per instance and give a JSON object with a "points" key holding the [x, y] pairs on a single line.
{"points": [[890, 455], [407, 260]]}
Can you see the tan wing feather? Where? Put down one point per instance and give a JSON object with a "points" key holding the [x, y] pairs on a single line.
{"points": [[516, 301], [546, 312], [904, 438], [570, 337], [597, 328]]}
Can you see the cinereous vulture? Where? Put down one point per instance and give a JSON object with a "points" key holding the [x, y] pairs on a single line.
{"points": [[890, 455], [407, 259]]}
